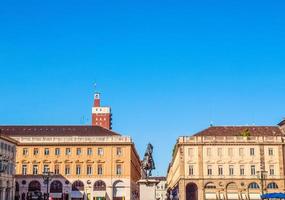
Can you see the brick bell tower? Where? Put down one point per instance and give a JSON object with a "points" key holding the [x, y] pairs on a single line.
{"points": [[101, 115]]}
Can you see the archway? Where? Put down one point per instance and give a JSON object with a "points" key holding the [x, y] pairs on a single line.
{"points": [[232, 191], [99, 190], [191, 191], [56, 190], [210, 191], [17, 191], [77, 190], [34, 190], [254, 191], [118, 190]]}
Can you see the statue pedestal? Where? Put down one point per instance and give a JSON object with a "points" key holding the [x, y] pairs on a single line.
{"points": [[147, 189]]}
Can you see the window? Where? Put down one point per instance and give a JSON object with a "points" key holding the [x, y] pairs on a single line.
{"points": [[271, 170], [56, 169], [78, 151], [100, 169], [57, 151], [209, 153], [270, 152], [67, 151], [231, 170], [78, 170], [119, 151], [25, 151], [191, 170], [24, 169], [252, 151], [89, 151], [100, 151], [220, 170], [36, 151], [67, 170], [46, 151], [119, 169], [35, 169], [190, 152], [272, 186], [241, 169], [252, 170], [89, 169], [253, 186], [209, 170], [241, 152], [46, 168], [219, 151], [230, 152]]}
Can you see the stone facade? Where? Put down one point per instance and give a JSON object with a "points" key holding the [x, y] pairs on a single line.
{"points": [[7, 167], [225, 163]]}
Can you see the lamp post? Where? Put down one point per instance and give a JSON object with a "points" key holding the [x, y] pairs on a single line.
{"points": [[47, 178], [262, 178]]}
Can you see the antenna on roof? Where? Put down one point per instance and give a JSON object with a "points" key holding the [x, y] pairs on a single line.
{"points": [[211, 123]]}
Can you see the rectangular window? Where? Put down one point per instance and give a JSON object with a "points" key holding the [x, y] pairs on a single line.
{"points": [[89, 151], [252, 151], [230, 152], [270, 152], [209, 153], [56, 169], [100, 169], [57, 151], [231, 170], [46, 168], [241, 169], [89, 169], [241, 152], [67, 170], [25, 151], [191, 170], [78, 170], [252, 170], [100, 151], [78, 151], [35, 170], [67, 151], [190, 152], [46, 151], [119, 169], [220, 152], [271, 170], [119, 151], [209, 170], [36, 151], [24, 169], [220, 170]]}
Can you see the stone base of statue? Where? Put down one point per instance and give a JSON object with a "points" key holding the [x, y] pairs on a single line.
{"points": [[147, 189]]}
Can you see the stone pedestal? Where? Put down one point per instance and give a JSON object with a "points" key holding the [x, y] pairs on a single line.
{"points": [[147, 189]]}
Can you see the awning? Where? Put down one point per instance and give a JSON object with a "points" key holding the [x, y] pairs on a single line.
{"points": [[273, 196]]}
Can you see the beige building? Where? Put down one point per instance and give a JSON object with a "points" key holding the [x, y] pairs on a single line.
{"points": [[88, 162], [228, 162], [161, 188], [7, 167]]}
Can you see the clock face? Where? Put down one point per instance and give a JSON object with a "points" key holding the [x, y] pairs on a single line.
{"points": [[97, 96]]}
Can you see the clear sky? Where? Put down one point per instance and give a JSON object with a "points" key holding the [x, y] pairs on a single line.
{"points": [[167, 68]]}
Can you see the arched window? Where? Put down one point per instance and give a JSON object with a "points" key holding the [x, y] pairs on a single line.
{"points": [[210, 186], [56, 187], [78, 186], [34, 186], [99, 186], [253, 186], [272, 186]]}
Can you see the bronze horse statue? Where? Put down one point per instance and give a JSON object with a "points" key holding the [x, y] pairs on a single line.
{"points": [[148, 162]]}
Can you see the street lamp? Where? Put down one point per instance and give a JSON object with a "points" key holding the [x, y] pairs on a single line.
{"points": [[47, 178], [262, 177]]}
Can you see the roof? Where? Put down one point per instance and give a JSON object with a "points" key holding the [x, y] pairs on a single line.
{"points": [[56, 131], [237, 130], [282, 123]]}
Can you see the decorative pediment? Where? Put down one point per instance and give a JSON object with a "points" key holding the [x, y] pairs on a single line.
{"points": [[89, 161], [25, 161], [78, 161], [57, 161], [210, 162], [68, 161], [272, 162], [221, 162], [100, 161], [231, 162], [119, 161], [46, 161], [241, 162]]}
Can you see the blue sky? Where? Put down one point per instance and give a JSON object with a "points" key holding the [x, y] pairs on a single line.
{"points": [[167, 68]]}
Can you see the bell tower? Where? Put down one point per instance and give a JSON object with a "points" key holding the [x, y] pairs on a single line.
{"points": [[101, 115]]}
